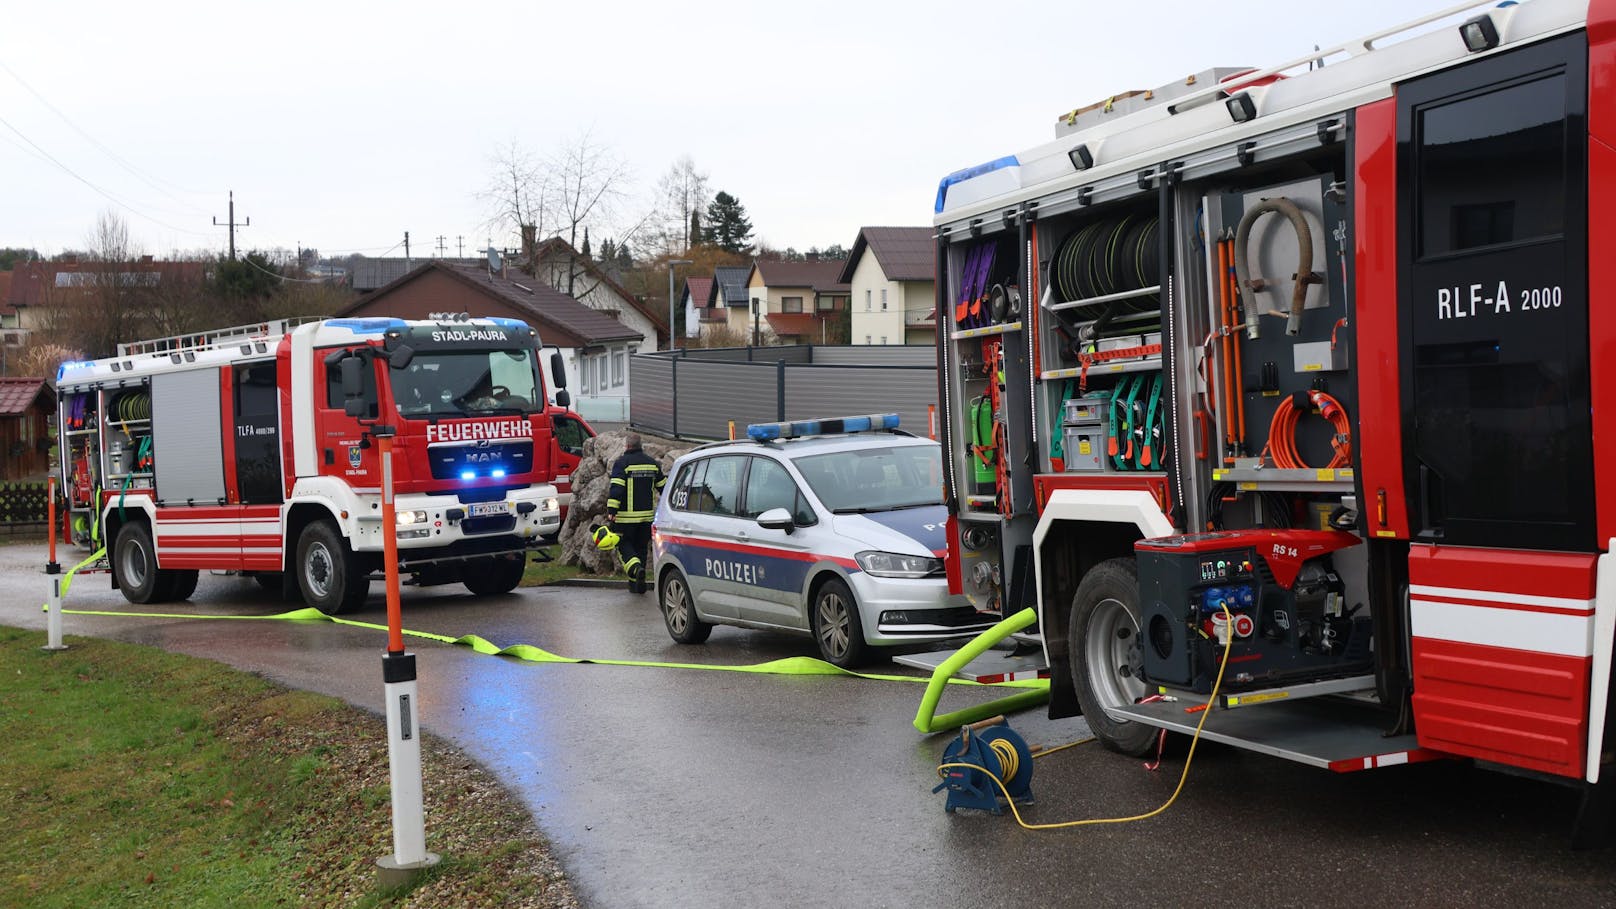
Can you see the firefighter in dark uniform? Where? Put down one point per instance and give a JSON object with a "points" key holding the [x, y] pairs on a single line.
{"points": [[636, 477]]}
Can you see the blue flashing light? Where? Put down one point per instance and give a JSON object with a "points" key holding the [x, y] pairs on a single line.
{"points": [[960, 176], [72, 364], [516, 324], [366, 326], [497, 473], [768, 432], [468, 474]]}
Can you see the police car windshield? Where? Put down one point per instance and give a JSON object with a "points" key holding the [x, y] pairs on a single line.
{"points": [[875, 479], [467, 383]]}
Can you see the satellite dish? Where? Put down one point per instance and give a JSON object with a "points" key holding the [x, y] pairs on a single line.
{"points": [[493, 259]]}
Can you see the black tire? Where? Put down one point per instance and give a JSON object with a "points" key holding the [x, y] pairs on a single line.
{"points": [[490, 577], [1103, 640], [134, 558], [184, 583], [679, 610], [328, 573], [837, 628]]}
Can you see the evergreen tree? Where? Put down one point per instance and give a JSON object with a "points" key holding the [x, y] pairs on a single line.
{"points": [[585, 250], [696, 239], [727, 225], [623, 258], [608, 252]]}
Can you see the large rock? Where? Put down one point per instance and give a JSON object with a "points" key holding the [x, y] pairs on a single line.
{"points": [[591, 485]]}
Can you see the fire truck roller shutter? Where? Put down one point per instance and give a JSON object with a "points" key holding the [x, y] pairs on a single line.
{"points": [[189, 453]]}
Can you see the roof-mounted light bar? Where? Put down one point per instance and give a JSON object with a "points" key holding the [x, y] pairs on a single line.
{"points": [[768, 432]]}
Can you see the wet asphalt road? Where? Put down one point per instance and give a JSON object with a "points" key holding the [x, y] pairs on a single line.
{"points": [[666, 787]]}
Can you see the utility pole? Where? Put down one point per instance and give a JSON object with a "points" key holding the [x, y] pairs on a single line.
{"points": [[246, 222], [460, 244], [440, 245], [406, 250]]}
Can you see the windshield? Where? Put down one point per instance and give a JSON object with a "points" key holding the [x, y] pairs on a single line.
{"points": [[875, 479], [461, 383]]}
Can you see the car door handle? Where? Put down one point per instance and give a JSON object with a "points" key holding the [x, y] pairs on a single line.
{"points": [[741, 535]]}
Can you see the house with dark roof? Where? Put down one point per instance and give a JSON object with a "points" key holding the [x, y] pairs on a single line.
{"points": [[35, 288], [595, 345], [696, 302], [891, 274], [26, 405], [557, 264], [795, 301]]}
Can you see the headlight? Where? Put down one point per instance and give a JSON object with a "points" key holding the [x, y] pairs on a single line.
{"points": [[411, 517], [893, 565], [550, 504]]}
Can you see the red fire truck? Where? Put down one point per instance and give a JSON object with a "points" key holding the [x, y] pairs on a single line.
{"points": [[252, 451], [1320, 345]]}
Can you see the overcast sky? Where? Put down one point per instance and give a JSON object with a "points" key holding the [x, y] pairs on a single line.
{"points": [[341, 125]]}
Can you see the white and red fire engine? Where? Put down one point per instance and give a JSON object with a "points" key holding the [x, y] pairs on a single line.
{"points": [[253, 451], [1325, 346]]}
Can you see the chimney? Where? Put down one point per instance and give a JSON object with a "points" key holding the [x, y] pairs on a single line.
{"points": [[530, 241], [812, 256], [145, 260]]}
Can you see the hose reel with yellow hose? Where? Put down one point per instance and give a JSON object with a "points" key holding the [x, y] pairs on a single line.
{"points": [[985, 751]]}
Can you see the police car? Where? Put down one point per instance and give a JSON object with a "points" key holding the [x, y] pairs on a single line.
{"points": [[832, 528]]}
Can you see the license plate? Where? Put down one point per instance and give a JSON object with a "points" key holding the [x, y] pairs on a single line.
{"points": [[483, 509]]}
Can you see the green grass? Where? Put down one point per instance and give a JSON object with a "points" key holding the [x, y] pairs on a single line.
{"points": [[538, 574], [141, 778]]}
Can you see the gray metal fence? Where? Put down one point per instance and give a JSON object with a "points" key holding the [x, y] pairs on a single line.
{"points": [[696, 393]]}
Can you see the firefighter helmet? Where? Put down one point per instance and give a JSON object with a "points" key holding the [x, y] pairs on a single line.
{"points": [[605, 538]]}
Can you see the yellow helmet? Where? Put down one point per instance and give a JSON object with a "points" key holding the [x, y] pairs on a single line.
{"points": [[605, 538]]}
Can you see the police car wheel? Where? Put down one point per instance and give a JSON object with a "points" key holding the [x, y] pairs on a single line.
{"points": [[837, 627], [679, 611], [1104, 641]]}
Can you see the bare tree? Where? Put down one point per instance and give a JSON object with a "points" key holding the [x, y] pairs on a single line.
{"points": [[680, 193], [101, 304], [515, 193]]}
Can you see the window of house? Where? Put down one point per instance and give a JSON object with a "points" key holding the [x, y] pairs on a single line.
{"points": [[883, 339], [824, 304], [867, 340], [601, 369], [619, 363], [866, 300], [883, 300], [791, 304]]}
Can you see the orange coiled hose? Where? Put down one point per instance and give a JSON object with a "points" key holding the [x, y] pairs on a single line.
{"points": [[1282, 431]]}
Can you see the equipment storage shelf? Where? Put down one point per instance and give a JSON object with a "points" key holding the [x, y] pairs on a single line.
{"points": [[1306, 479], [1105, 369], [984, 332]]}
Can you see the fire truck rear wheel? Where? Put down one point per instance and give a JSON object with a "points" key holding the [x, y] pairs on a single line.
{"points": [[329, 574], [135, 560], [489, 577], [1103, 640], [184, 584]]}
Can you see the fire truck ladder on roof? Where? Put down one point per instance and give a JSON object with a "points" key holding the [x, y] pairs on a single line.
{"points": [[209, 340]]}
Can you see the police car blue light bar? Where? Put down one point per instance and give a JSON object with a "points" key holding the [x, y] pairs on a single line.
{"points": [[767, 432]]}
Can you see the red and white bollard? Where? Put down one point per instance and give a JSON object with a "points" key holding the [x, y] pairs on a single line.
{"points": [[53, 603], [409, 856]]}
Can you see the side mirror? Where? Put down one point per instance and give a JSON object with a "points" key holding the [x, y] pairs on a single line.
{"points": [[777, 519], [558, 373], [401, 356], [562, 398], [351, 371]]}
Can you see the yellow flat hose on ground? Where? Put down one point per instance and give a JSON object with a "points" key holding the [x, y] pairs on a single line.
{"points": [[531, 654]]}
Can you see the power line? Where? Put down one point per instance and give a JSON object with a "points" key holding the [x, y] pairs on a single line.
{"points": [[109, 196], [148, 180]]}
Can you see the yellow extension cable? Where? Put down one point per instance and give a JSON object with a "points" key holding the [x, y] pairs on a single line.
{"points": [[1012, 764]]}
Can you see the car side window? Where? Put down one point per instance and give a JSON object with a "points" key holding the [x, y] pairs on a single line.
{"points": [[719, 489], [682, 492], [768, 485]]}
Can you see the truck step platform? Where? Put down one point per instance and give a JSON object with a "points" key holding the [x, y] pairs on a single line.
{"points": [[1353, 685], [1331, 733], [992, 666]]}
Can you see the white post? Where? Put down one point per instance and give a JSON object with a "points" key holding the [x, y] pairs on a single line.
{"points": [[409, 856], [53, 616]]}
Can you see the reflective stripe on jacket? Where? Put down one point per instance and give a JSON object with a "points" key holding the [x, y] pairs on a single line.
{"points": [[635, 478]]}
